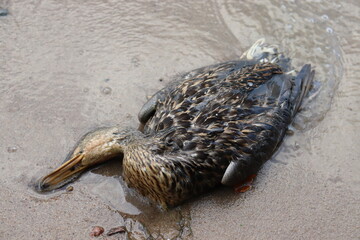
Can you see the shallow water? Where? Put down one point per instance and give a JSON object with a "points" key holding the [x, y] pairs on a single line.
{"points": [[69, 67]]}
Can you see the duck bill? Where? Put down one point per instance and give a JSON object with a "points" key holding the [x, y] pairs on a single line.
{"points": [[66, 173]]}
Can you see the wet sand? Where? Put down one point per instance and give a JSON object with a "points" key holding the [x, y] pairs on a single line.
{"points": [[69, 67]]}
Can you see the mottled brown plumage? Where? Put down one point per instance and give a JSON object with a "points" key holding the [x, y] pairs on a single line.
{"points": [[213, 125]]}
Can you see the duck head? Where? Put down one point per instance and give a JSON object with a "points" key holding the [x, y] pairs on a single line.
{"points": [[94, 148]]}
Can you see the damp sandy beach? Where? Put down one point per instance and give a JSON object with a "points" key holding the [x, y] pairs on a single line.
{"points": [[68, 67]]}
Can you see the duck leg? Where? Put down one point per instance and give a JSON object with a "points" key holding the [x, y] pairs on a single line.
{"points": [[245, 185]]}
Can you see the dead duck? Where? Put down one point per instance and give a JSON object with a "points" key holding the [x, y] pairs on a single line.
{"points": [[214, 125]]}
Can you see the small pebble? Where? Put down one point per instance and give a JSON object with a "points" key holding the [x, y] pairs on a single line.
{"points": [[289, 132], [12, 149], [69, 188], [96, 231], [116, 230], [106, 90], [3, 12]]}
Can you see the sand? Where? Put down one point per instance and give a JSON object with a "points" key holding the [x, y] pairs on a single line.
{"points": [[69, 67]]}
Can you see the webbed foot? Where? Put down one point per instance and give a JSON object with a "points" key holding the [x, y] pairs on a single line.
{"points": [[245, 185]]}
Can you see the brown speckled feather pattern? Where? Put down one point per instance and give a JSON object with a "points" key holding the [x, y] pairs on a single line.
{"points": [[213, 125], [212, 116]]}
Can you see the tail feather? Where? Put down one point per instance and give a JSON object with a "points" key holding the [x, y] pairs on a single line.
{"points": [[302, 85]]}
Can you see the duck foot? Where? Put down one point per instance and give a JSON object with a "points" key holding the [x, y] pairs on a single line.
{"points": [[245, 185]]}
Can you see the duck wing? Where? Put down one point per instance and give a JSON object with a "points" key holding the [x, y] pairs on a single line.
{"points": [[220, 69], [278, 100], [220, 128]]}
